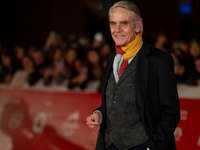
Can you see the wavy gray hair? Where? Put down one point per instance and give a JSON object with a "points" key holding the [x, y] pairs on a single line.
{"points": [[133, 8]]}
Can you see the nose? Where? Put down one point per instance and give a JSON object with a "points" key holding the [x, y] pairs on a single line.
{"points": [[118, 28]]}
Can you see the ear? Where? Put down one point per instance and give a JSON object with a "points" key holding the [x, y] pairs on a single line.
{"points": [[139, 23]]}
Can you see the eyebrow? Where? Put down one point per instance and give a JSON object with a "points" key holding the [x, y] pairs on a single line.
{"points": [[119, 21], [123, 21]]}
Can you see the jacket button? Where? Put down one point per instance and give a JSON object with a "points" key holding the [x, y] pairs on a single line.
{"points": [[101, 142]]}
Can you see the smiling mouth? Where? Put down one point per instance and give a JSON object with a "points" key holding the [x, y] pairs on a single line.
{"points": [[119, 36]]}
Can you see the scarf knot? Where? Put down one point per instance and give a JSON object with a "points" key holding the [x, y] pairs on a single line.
{"points": [[119, 50]]}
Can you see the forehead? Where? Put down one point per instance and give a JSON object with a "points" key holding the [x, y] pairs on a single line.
{"points": [[120, 14]]}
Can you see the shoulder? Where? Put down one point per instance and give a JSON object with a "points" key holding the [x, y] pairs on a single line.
{"points": [[152, 53], [159, 55], [111, 56]]}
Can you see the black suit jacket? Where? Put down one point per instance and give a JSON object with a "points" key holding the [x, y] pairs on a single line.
{"points": [[156, 96]]}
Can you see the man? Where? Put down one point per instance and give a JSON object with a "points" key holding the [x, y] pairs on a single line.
{"points": [[140, 107]]}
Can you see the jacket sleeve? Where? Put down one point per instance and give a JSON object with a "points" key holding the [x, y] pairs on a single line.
{"points": [[98, 109], [169, 107]]}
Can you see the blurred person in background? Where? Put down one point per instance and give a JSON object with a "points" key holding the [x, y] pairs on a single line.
{"points": [[105, 50], [182, 72], [79, 49], [84, 41], [6, 69], [179, 54], [161, 41], [140, 106], [94, 65], [69, 58], [27, 64], [19, 54], [31, 50], [79, 76], [74, 44], [194, 48], [194, 78], [39, 65], [48, 74], [80, 45], [54, 39], [176, 62], [180, 49], [98, 39], [57, 62], [193, 53], [180, 68], [20, 77], [72, 37]]}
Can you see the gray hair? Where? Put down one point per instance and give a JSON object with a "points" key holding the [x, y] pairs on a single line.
{"points": [[133, 8]]}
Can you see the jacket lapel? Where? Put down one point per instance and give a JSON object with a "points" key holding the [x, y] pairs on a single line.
{"points": [[129, 69], [142, 74]]}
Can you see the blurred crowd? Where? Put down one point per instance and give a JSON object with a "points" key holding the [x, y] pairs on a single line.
{"points": [[75, 59], [80, 61], [186, 57]]}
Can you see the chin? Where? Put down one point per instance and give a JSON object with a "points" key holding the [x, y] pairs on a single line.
{"points": [[119, 43]]}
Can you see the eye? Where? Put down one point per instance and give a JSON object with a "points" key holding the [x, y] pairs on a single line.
{"points": [[112, 23], [124, 23]]}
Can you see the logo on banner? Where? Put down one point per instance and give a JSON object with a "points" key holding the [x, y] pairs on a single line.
{"points": [[39, 122], [71, 124], [16, 120], [178, 133], [184, 114]]}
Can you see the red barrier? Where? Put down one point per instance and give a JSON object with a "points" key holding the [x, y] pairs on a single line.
{"points": [[188, 130], [49, 120], [40, 120]]}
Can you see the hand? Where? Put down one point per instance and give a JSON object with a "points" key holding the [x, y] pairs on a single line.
{"points": [[94, 121]]}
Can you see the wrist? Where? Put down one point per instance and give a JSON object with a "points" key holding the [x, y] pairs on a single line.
{"points": [[97, 111]]}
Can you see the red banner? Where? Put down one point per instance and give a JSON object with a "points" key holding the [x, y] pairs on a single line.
{"points": [[40, 120], [188, 130], [49, 120]]}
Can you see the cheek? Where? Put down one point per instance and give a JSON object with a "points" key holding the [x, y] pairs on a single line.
{"points": [[128, 31], [131, 33], [112, 31]]}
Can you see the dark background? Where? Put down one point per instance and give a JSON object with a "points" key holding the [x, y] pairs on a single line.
{"points": [[28, 22]]}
